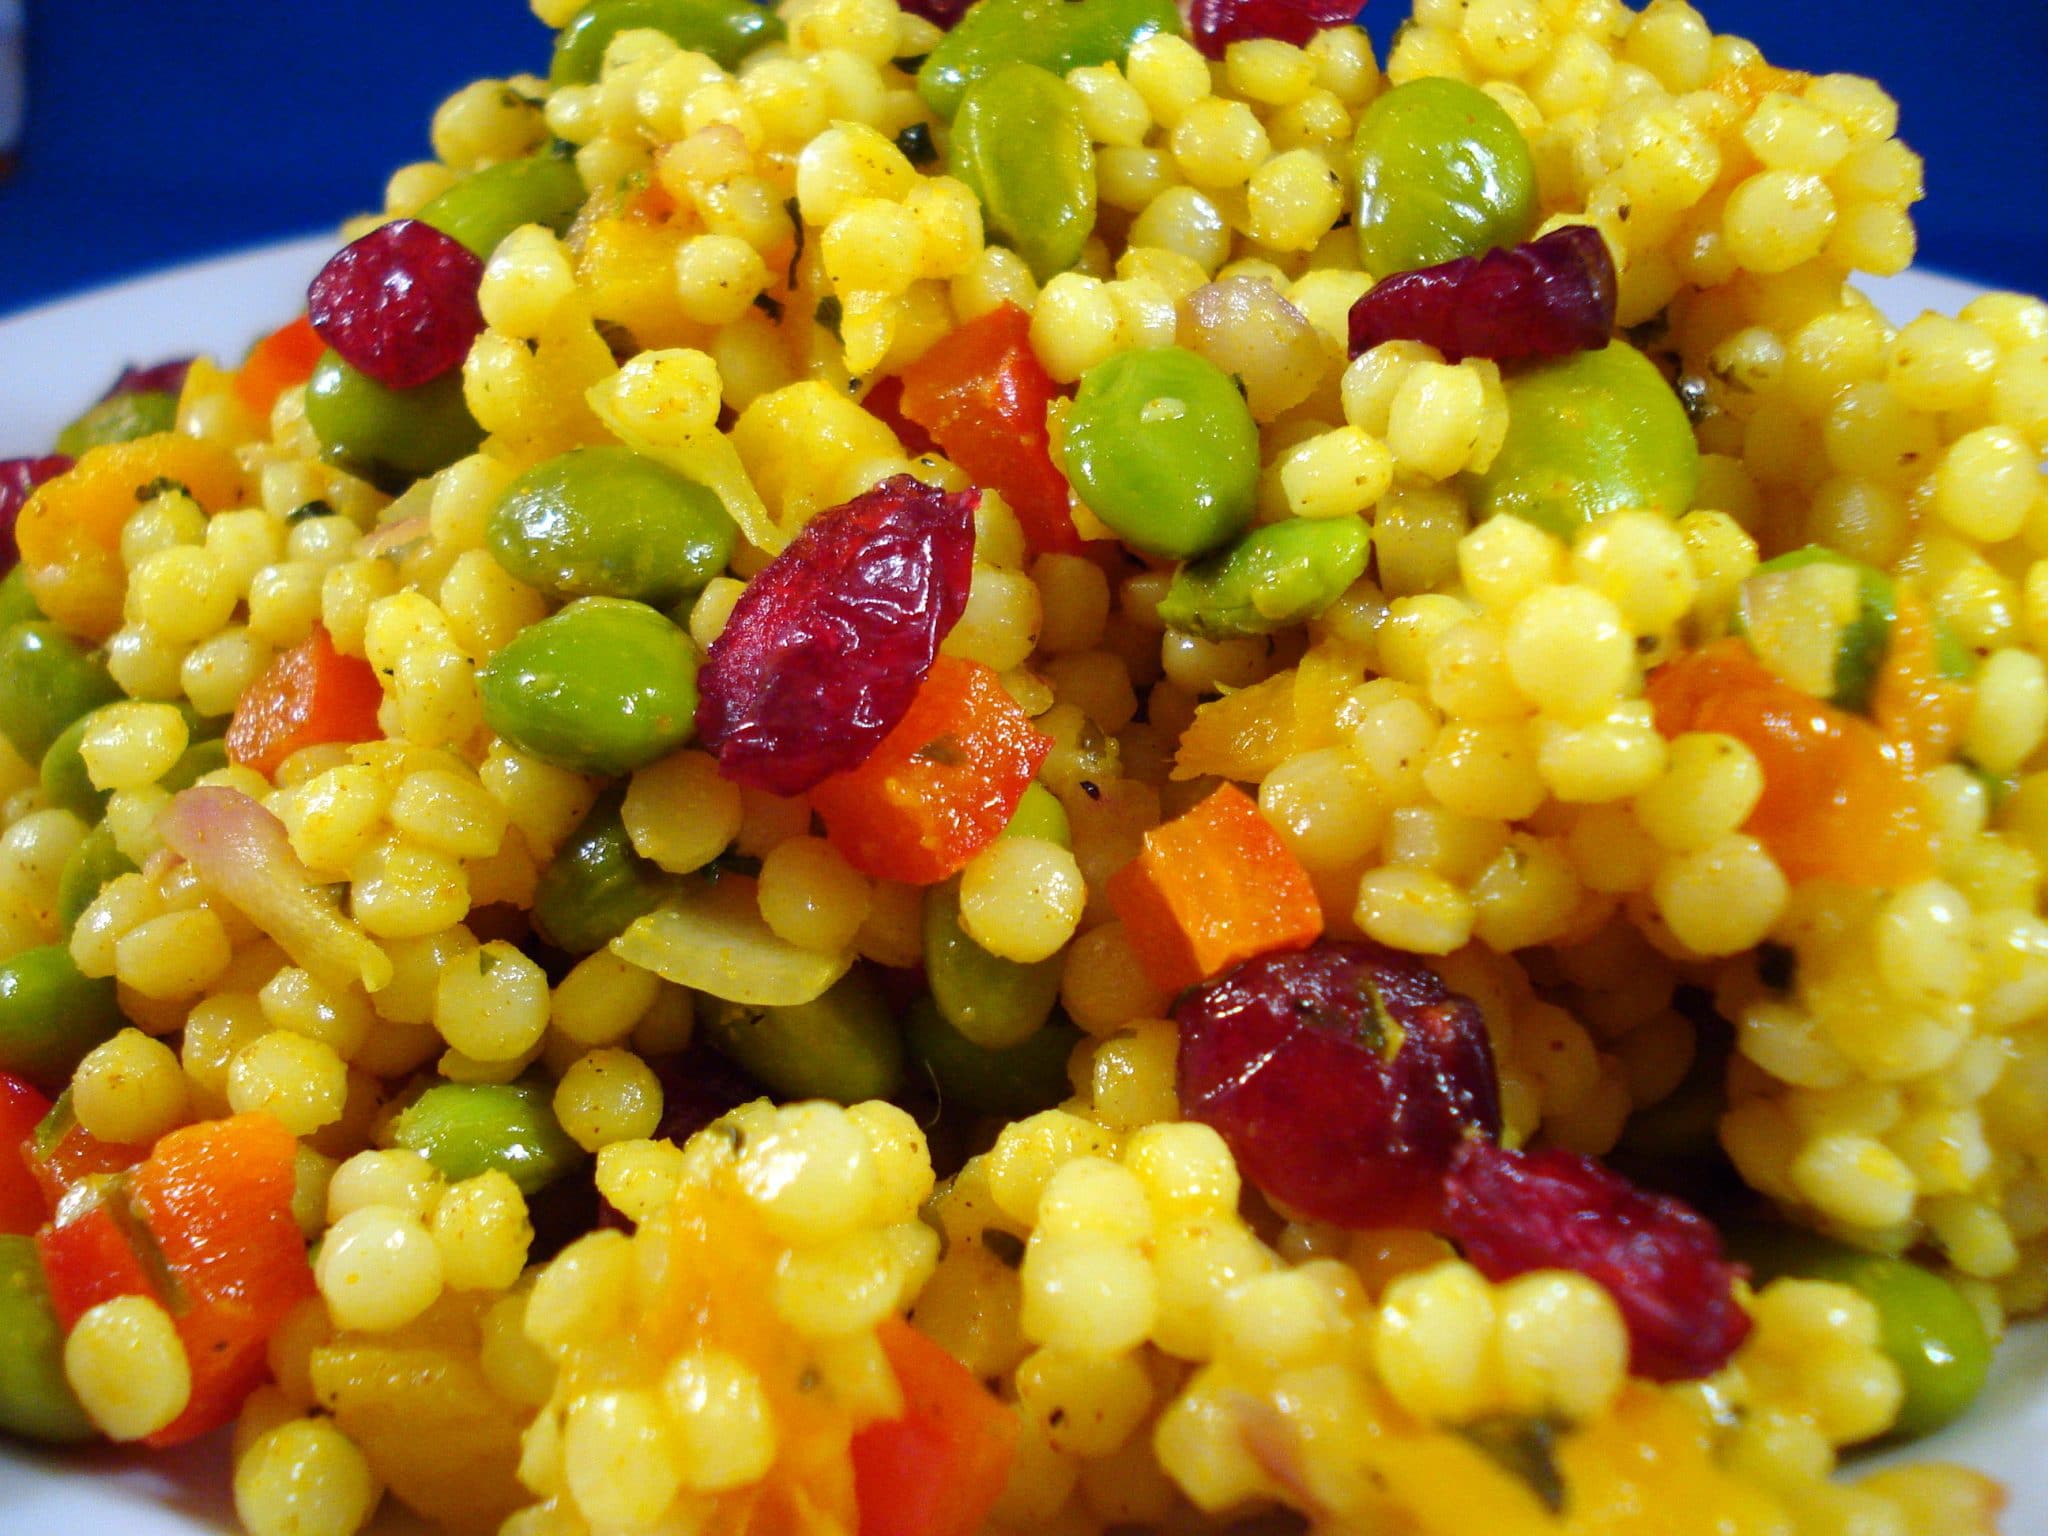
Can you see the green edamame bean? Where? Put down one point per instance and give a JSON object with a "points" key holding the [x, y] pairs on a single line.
{"points": [[608, 522], [843, 1045], [1021, 1080], [726, 30], [604, 686], [487, 205], [993, 1002], [47, 680], [1020, 144], [390, 437], [1929, 1330], [17, 603], [465, 1129], [1441, 172], [596, 885], [120, 420], [1590, 434], [1040, 814], [66, 784], [1821, 619], [95, 861], [1056, 35], [36, 1402], [199, 759], [51, 1015], [1273, 577], [1161, 445]]}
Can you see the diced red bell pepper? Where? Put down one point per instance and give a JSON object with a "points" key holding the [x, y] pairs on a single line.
{"points": [[309, 695], [89, 1252], [22, 1108], [62, 1154], [983, 394], [885, 403], [938, 1469]]}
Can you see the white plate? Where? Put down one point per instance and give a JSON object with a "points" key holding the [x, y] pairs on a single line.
{"points": [[55, 361]]}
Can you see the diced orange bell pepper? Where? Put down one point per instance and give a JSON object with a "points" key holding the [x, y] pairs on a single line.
{"points": [[22, 1108], [982, 393], [310, 694], [940, 786], [1838, 802], [1211, 889], [70, 531], [280, 361], [939, 1468], [1917, 709]]}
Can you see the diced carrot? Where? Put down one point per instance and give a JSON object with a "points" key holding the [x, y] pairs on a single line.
{"points": [[70, 531], [1838, 803], [941, 785], [1917, 709], [982, 393], [280, 361], [308, 695], [1211, 889], [22, 1108], [939, 1468]]}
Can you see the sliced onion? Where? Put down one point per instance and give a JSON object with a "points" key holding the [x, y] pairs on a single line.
{"points": [[1245, 327], [712, 939]]}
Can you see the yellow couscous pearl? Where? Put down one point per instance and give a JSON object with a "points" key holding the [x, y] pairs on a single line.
{"points": [[812, 1175], [173, 956], [127, 746], [1021, 898], [480, 1226], [298, 1079], [620, 1457], [724, 1425], [379, 1269], [129, 1089], [397, 1177], [608, 1095], [304, 1478], [810, 896], [491, 1003], [1087, 1294], [1433, 1342], [125, 1362]]}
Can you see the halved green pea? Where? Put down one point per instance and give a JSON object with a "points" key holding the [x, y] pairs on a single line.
{"points": [[1020, 144], [66, 784], [608, 522], [36, 1402], [596, 885], [390, 437], [51, 1015], [1056, 35], [120, 420], [17, 603], [1040, 814], [203, 756], [1821, 620], [725, 30], [1442, 171], [487, 205], [604, 686], [993, 1002], [96, 860], [465, 1129], [1021, 1080], [1271, 579], [1161, 446], [47, 680], [843, 1045], [1590, 434]]}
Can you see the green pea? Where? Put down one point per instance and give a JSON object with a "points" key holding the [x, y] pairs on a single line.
{"points": [[487, 205], [1020, 1080], [51, 1015], [1272, 578], [596, 885], [47, 680], [604, 686], [95, 861], [36, 1402], [391, 437], [1040, 814], [1020, 144], [120, 420], [1821, 620], [1925, 1325], [465, 1129], [993, 1002], [843, 1045], [66, 784], [1590, 434], [608, 522], [199, 759], [1162, 447], [726, 30], [1441, 172], [1056, 35], [17, 603]]}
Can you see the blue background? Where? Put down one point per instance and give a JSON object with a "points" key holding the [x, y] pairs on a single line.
{"points": [[158, 133]]}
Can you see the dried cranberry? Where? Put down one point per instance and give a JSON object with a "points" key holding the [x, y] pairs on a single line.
{"points": [[940, 13], [1549, 298], [1661, 1260], [698, 1086], [1217, 24], [825, 648], [19, 477], [1344, 1077], [399, 304], [167, 377]]}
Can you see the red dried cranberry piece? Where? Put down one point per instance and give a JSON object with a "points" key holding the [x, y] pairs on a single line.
{"points": [[1661, 1260], [1343, 1076], [1217, 24], [940, 13], [826, 647], [399, 305], [1548, 298], [19, 477], [167, 377]]}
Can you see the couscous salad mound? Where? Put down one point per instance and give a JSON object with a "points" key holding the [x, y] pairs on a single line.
{"points": [[1050, 766]]}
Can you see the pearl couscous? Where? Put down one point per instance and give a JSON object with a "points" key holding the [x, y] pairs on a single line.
{"points": [[646, 859]]}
